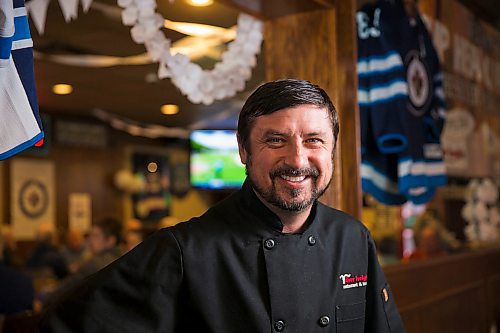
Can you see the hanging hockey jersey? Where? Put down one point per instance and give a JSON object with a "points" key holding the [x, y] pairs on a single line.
{"points": [[422, 168], [382, 91], [6, 30], [20, 124], [382, 96], [400, 129]]}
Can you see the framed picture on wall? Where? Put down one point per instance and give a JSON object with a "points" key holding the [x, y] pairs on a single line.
{"points": [[32, 195]]}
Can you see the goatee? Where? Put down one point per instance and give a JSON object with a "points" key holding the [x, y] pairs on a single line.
{"points": [[272, 196]]}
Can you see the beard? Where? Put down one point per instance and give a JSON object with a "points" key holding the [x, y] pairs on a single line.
{"points": [[298, 198]]}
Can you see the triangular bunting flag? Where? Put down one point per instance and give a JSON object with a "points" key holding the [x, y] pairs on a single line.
{"points": [[86, 5], [69, 9], [37, 10]]}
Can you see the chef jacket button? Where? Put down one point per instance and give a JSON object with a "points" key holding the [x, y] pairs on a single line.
{"points": [[269, 243], [311, 240], [279, 325], [324, 321]]}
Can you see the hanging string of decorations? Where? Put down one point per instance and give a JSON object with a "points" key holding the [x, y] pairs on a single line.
{"points": [[198, 84]]}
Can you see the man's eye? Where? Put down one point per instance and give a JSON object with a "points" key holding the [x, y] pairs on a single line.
{"points": [[314, 140], [275, 140]]}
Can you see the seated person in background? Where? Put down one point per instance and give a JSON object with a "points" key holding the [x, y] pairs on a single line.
{"points": [[132, 224], [16, 289], [9, 252], [431, 238], [387, 250], [46, 253], [133, 234], [74, 249], [429, 243], [131, 239], [103, 242]]}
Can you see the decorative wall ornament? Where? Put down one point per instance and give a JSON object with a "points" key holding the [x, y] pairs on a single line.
{"points": [[481, 211], [199, 85], [458, 128]]}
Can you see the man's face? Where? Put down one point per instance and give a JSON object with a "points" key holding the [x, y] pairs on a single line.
{"points": [[98, 242], [289, 161]]}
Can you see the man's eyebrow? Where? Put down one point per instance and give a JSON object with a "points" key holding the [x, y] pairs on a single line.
{"points": [[270, 132], [273, 132], [316, 133]]}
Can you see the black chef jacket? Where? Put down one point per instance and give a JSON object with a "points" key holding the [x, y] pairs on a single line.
{"points": [[233, 270]]}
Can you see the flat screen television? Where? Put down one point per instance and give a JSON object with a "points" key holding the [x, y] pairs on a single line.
{"points": [[214, 161]]}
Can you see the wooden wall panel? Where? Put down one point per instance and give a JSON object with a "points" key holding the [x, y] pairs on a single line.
{"points": [[457, 293], [85, 170], [494, 299], [319, 46], [346, 85], [89, 171], [302, 46], [448, 313]]}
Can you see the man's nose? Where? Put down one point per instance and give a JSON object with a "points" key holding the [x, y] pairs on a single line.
{"points": [[296, 156]]}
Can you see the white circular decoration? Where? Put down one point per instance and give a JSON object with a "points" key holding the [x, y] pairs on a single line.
{"points": [[199, 85]]}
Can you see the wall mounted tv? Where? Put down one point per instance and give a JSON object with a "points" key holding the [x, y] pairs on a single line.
{"points": [[215, 162]]}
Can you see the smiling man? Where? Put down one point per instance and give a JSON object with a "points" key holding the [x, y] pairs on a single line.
{"points": [[269, 258], [288, 151]]}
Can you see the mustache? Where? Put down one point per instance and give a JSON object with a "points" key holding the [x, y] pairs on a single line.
{"points": [[289, 171]]}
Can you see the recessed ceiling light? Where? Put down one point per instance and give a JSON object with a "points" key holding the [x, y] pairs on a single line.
{"points": [[200, 3], [169, 109], [152, 167], [62, 89]]}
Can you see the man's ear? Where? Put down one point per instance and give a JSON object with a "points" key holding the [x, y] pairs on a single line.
{"points": [[242, 151]]}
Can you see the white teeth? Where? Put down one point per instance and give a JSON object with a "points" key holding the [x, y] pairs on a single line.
{"points": [[293, 179]]}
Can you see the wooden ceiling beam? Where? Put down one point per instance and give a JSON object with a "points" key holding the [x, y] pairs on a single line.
{"points": [[269, 9]]}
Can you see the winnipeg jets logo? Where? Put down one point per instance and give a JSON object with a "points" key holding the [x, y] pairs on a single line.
{"points": [[350, 281], [419, 84]]}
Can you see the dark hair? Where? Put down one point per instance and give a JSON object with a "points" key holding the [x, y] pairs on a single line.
{"points": [[110, 227], [281, 94]]}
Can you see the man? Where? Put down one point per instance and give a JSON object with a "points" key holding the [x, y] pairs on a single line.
{"points": [[103, 242], [270, 258], [74, 249], [46, 255], [16, 289]]}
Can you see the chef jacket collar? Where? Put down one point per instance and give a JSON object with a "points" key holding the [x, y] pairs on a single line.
{"points": [[264, 214]]}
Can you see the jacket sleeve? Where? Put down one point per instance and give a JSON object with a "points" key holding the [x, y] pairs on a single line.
{"points": [[381, 311], [137, 293]]}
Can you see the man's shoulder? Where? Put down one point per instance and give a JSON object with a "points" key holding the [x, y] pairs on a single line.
{"points": [[339, 220]]}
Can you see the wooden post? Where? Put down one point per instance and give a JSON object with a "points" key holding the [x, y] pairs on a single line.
{"points": [[320, 46]]}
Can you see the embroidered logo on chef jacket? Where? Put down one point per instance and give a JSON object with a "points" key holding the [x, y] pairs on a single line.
{"points": [[353, 281]]}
